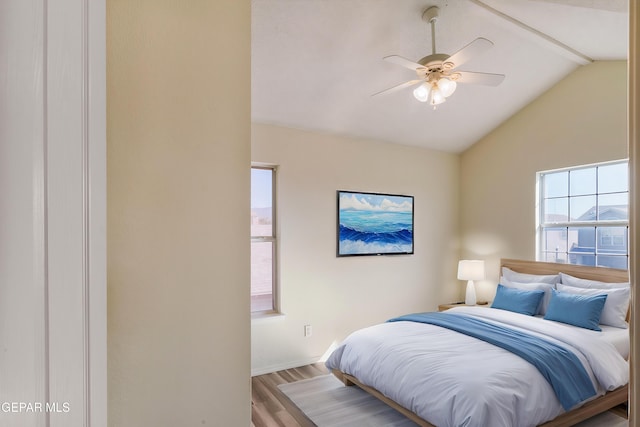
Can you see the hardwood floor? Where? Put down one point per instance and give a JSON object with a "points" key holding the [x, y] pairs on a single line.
{"points": [[271, 408]]}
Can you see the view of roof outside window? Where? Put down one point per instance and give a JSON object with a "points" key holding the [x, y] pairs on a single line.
{"points": [[584, 215]]}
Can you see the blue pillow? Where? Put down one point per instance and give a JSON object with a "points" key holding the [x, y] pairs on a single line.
{"points": [[517, 300], [577, 310]]}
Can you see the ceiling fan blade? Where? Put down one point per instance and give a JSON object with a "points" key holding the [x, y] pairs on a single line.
{"points": [[474, 48], [398, 87], [399, 60], [487, 79]]}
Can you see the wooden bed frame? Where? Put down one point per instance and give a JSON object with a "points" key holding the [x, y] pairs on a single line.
{"points": [[588, 410]]}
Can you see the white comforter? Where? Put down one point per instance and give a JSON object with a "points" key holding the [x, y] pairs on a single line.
{"points": [[450, 379]]}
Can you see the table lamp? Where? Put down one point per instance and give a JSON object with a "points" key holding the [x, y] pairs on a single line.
{"points": [[470, 270]]}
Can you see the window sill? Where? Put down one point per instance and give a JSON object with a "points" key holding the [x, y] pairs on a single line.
{"points": [[266, 316]]}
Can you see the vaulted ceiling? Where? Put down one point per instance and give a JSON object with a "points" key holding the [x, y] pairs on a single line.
{"points": [[316, 63]]}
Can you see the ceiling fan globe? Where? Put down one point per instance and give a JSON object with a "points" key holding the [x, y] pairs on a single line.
{"points": [[447, 87], [421, 93], [436, 97]]}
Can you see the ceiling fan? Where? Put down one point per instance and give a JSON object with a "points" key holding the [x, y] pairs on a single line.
{"points": [[438, 72]]}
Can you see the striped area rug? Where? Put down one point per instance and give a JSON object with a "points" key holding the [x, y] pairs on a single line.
{"points": [[328, 403]]}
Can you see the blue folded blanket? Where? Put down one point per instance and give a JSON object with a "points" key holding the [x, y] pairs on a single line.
{"points": [[560, 367]]}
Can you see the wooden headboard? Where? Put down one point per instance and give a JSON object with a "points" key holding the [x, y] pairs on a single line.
{"points": [[602, 274]]}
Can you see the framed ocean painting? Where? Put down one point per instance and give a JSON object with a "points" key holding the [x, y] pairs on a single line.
{"points": [[374, 224]]}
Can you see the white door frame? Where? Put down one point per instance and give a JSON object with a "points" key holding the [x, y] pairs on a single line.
{"points": [[634, 163], [53, 315]]}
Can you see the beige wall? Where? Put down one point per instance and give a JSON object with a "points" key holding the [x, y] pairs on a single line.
{"points": [[581, 120], [178, 212], [339, 295]]}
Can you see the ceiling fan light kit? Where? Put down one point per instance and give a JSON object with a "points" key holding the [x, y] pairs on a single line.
{"points": [[435, 90], [435, 72]]}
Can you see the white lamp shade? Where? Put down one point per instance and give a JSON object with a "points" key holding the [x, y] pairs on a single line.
{"points": [[471, 270], [447, 87], [421, 93], [436, 96]]}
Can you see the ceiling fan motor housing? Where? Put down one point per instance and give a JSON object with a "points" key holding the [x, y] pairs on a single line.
{"points": [[436, 63]]}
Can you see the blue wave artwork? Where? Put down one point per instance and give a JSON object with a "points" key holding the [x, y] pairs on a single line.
{"points": [[372, 224]]}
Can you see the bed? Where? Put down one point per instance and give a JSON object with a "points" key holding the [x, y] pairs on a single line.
{"points": [[433, 369]]}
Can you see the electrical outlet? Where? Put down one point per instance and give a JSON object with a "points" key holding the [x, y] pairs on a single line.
{"points": [[307, 330]]}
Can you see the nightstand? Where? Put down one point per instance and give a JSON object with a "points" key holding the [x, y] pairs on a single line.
{"points": [[443, 307]]}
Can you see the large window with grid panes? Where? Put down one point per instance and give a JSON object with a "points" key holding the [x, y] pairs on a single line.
{"points": [[263, 239], [583, 215]]}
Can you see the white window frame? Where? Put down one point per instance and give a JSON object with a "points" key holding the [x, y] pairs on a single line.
{"points": [[273, 239], [541, 226]]}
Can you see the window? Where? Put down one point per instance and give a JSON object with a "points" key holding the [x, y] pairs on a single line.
{"points": [[263, 239], [583, 215]]}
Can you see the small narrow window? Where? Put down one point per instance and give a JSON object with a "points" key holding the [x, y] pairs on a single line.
{"points": [[583, 215], [263, 240]]}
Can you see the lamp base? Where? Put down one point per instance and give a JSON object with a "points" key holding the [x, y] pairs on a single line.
{"points": [[470, 296]]}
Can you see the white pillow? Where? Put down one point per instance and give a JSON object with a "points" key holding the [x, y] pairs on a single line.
{"points": [[546, 287], [576, 282], [514, 276], [614, 312]]}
